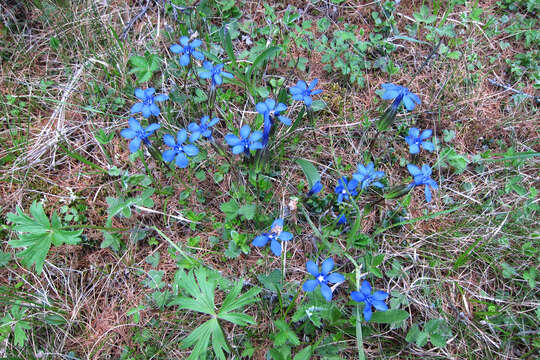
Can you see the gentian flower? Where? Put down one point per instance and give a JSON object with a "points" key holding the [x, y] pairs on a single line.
{"points": [[147, 105], [270, 111], [179, 150], [276, 233], [302, 92], [246, 142], [400, 94], [343, 186], [422, 177], [187, 49], [138, 134], [416, 139], [216, 73], [376, 299], [367, 174], [315, 189], [342, 220], [322, 278], [202, 130]]}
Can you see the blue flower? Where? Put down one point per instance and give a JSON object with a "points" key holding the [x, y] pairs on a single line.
{"points": [[270, 111], [302, 92], [187, 49], [343, 186], [179, 150], [216, 73], [400, 94], [276, 233], [147, 105], [138, 134], [376, 299], [246, 142], [315, 189], [202, 130], [367, 174], [342, 220], [422, 177], [322, 278], [415, 140]]}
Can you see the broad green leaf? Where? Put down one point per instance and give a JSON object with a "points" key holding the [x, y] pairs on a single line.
{"points": [[248, 211], [4, 258], [245, 299], [304, 354], [37, 234], [138, 61], [389, 317], [219, 345], [310, 171]]}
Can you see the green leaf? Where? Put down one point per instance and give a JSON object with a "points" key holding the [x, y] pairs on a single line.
{"points": [[248, 211], [154, 279], [413, 333], [265, 55], [138, 61], [153, 259], [310, 171], [462, 259], [230, 209], [304, 354], [437, 340], [19, 332], [55, 319], [37, 234], [227, 45], [389, 317], [4, 258], [285, 334]]}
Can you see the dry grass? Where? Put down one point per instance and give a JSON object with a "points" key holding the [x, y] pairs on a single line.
{"points": [[93, 288]]}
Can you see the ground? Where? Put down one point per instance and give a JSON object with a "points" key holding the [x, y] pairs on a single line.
{"points": [[465, 262]]}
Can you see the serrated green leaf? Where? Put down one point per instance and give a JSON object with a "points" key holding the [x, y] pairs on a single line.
{"points": [[144, 76], [20, 333], [310, 171], [437, 340], [389, 317], [304, 354], [413, 333], [37, 235], [55, 319], [4, 258], [138, 61], [248, 211]]}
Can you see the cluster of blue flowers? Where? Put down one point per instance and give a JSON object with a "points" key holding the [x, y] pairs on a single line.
{"points": [[247, 140], [182, 147], [416, 139]]}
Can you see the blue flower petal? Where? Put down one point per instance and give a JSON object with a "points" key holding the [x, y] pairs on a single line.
{"points": [[139, 93], [367, 312], [237, 149], [365, 288], [413, 169], [232, 140], [177, 49], [335, 278], [136, 108], [327, 266], [428, 145], [285, 236], [182, 161], [380, 295], [260, 241], [380, 305], [146, 112], [244, 131], [168, 155], [128, 133], [414, 149], [358, 296], [310, 285], [275, 246], [134, 144], [326, 292], [312, 268], [191, 150]]}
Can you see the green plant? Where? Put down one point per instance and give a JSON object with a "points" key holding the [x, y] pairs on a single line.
{"points": [[199, 286]]}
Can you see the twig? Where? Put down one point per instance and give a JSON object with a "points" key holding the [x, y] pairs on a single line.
{"points": [[509, 88], [132, 21]]}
